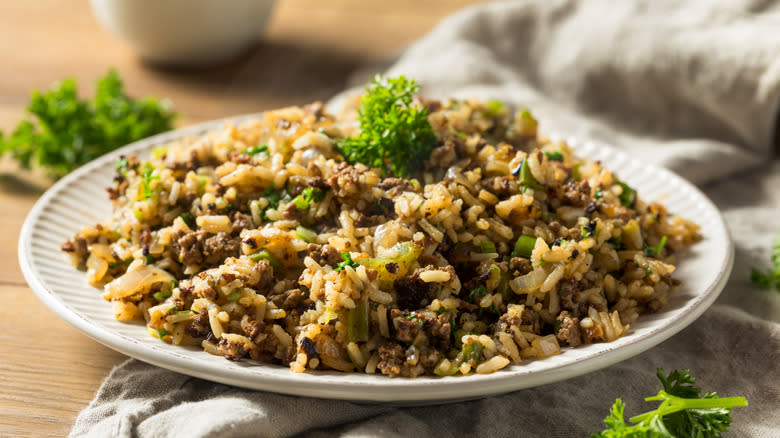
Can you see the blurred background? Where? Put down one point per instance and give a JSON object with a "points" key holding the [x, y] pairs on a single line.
{"points": [[306, 53]]}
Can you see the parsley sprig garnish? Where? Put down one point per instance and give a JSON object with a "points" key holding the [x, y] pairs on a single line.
{"points": [[396, 135], [347, 257], [682, 413], [65, 132], [770, 278], [146, 181]]}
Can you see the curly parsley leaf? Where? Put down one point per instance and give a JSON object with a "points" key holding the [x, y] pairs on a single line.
{"points": [[679, 383], [771, 278], [307, 196], [64, 132], [618, 428], [682, 413], [627, 196], [347, 257], [146, 182], [396, 135]]}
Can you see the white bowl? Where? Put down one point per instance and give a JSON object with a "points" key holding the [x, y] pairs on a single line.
{"points": [[184, 31]]}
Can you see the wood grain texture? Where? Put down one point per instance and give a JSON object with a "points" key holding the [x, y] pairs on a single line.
{"points": [[48, 372], [306, 54]]}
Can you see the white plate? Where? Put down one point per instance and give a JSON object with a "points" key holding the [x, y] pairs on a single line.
{"points": [[79, 199]]}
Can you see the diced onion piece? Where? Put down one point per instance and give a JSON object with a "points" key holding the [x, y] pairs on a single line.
{"points": [[406, 253], [493, 364], [632, 235], [139, 280], [546, 346], [445, 367], [96, 269], [528, 282]]}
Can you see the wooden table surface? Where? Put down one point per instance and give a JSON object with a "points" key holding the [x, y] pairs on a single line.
{"points": [[49, 371]]}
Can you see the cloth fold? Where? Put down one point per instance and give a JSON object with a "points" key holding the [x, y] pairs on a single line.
{"points": [[142, 400], [694, 87], [687, 85]]}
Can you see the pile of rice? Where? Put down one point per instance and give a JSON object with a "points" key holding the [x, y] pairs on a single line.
{"points": [[239, 240]]}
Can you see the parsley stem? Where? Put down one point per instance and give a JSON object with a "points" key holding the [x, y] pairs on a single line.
{"points": [[264, 254], [672, 404]]}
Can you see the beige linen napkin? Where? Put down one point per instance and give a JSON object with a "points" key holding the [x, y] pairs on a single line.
{"points": [[692, 86]]}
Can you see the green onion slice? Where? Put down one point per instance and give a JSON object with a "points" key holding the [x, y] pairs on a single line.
{"points": [[256, 150], [487, 246], [554, 156], [234, 296], [263, 254], [305, 234], [524, 246]]}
